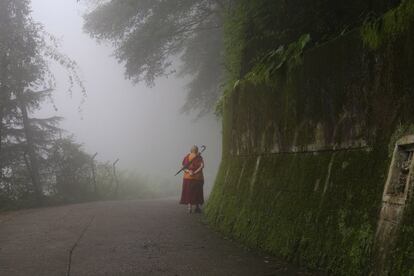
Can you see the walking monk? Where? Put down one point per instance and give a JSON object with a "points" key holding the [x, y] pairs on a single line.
{"points": [[192, 193]]}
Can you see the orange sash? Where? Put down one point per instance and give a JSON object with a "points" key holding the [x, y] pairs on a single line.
{"points": [[195, 165]]}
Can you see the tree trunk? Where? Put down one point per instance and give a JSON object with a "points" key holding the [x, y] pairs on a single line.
{"points": [[1, 138], [93, 167], [115, 179], [4, 97], [30, 150]]}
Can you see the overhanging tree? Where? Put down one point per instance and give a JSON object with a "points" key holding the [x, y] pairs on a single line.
{"points": [[149, 36]]}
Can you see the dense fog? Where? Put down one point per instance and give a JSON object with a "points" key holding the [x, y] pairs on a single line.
{"points": [[142, 126]]}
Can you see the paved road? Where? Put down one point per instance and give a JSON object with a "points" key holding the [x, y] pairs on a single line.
{"points": [[154, 237]]}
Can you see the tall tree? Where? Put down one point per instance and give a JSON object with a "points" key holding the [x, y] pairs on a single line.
{"points": [[16, 49], [25, 82]]}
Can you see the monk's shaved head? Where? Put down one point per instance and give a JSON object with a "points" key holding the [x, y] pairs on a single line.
{"points": [[194, 149]]}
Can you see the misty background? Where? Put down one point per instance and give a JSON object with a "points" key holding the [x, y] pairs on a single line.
{"points": [[141, 126]]}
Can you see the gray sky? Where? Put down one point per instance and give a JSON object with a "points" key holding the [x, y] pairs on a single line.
{"points": [[142, 126]]}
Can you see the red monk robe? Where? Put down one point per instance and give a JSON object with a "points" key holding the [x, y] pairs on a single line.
{"points": [[192, 192]]}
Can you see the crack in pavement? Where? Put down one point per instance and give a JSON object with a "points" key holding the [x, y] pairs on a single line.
{"points": [[76, 244]]}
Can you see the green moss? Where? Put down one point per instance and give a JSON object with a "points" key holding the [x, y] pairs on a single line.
{"points": [[388, 27], [266, 68], [284, 212]]}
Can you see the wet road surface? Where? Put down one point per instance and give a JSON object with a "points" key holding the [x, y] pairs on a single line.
{"points": [[147, 237]]}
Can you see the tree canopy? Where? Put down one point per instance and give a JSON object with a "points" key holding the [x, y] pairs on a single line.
{"points": [[152, 36]]}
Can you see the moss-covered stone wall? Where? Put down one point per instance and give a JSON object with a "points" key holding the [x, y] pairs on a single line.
{"points": [[305, 161]]}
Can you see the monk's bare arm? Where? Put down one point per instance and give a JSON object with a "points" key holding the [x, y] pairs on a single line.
{"points": [[200, 168]]}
